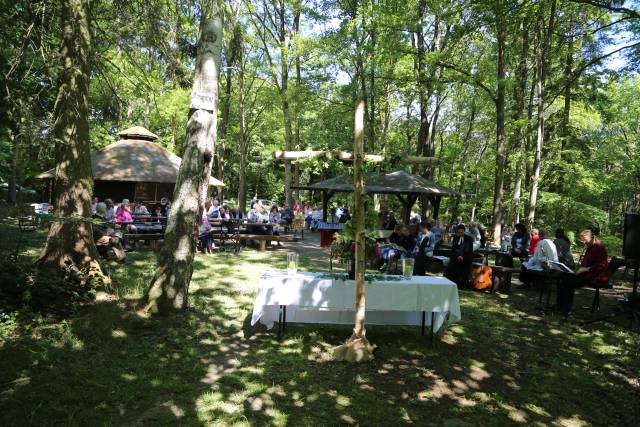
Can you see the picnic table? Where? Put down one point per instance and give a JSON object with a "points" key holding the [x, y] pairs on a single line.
{"points": [[391, 300]]}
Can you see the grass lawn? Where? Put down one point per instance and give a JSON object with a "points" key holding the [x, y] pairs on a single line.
{"points": [[501, 365]]}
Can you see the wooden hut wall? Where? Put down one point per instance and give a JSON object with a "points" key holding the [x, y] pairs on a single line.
{"points": [[115, 190]]}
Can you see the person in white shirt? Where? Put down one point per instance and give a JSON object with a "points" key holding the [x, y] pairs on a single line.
{"points": [[214, 209], [94, 204], [546, 251]]}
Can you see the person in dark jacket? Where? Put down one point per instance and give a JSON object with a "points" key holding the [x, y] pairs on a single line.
{"points": [[520, 242], [425, 245], [563, 247], [461, 257]]}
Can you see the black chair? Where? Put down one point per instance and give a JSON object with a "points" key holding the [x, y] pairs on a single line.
{"points": [[611, 269]]}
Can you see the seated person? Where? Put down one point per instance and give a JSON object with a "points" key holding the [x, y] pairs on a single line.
{"points": [[274, 218], [255, 218], [110, 214], [345, 216], [213, 208], [461, 257], [400, 244], [389, 222], [224, 212], [287, 217], [439, 232], [535, 239], [140, 209], [124, 216], [425, 245], [105, 237], [316, 217], [520, 242], [237, 213], [545, 251], [563, 246], [593, 271]]}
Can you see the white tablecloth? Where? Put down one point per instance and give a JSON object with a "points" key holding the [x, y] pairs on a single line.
{"points": [[312, 299]]}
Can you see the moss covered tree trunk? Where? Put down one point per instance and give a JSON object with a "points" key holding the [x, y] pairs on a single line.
{"points": [[71, 242], [357, 347], [169, 288]]}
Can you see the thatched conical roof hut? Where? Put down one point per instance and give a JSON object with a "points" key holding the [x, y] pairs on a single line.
{"points": [[135, 167]]}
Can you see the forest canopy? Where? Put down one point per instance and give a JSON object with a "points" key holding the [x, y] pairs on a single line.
{"points": [[531, 109]]}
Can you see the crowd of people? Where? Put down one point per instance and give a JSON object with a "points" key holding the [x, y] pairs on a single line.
{"points": [[116, 220], [418, 239]]}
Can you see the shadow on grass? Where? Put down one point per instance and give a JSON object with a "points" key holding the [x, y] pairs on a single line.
{"points": [[502, 365]]}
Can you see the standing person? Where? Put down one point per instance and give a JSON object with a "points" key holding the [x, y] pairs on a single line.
{"points": [[535, 239], [520, 242], [461, 257], [425, 244], [204, 235], [164, 206], [563, 246], [545, 251], [308, 212], [345, 216], [505, 241], [94, 204], [124, 216], [593, 271], [474, 233]]}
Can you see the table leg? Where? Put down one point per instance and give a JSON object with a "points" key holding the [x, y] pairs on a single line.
{"points": [[423, 321], [280, 322], [433, 316], [284, 318]]}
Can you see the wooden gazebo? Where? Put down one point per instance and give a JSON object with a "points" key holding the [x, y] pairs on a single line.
{"points": [[406, 187], [135, 167]]}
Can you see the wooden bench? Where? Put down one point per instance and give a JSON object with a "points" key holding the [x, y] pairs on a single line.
{"points": [[265, 239], [146, 237], [27, 223]]}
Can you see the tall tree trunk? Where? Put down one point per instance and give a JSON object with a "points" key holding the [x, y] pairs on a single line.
{"points": [[518, 112], [243, 143], [498, 191], [169, 288], [72, 241], [232, 55], [12, 193], [284, 92], [296, 172], [466, 143], [566, 110], [542, 54], [357, 348]]}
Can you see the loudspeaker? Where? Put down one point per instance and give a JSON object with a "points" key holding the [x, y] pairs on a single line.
{"points": [[631, 243]]}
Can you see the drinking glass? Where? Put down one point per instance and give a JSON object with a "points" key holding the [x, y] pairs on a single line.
{"points": [[292, 263], [407, 268]]}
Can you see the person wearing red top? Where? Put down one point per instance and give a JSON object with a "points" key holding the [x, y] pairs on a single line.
{"points": [[593, 271], [535, 239]]}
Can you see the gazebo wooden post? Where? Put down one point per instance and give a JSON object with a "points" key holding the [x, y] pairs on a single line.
{"points": [[436, 206], [325, 203]]}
